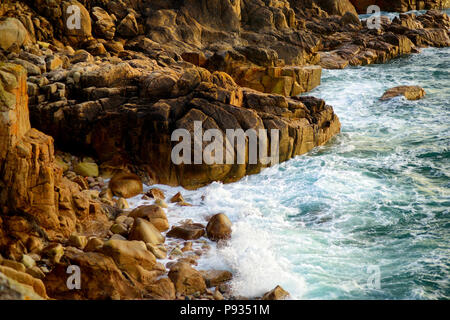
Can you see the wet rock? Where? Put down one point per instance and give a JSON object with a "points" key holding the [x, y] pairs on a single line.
{"points": [[219, 227], [214, 278], [409, 92], [187, 231], [278, 293], [156, 193]]}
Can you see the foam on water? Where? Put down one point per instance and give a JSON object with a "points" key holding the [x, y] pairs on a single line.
{"points": [[377, 195]]}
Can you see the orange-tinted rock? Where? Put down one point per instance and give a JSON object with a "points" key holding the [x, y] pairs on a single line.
{"points": [[409, 92], [219, 227], [154, 214], [126, 185], [186, 279]]}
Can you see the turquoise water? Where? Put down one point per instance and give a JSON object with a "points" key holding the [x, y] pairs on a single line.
{"points": [[375, 198]]}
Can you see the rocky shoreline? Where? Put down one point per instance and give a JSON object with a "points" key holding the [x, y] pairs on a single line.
{"points": [[87, 116]]}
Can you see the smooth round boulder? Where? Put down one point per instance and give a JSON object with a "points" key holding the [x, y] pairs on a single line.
{"points": [[126, 185], [152, 213], [219, 227], [12, 32], [186, 279]]}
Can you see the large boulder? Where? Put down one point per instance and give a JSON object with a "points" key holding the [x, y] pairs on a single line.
{"points": [[101, 279], [126, 185], [219, 227], [186, 279], [12, 32]]}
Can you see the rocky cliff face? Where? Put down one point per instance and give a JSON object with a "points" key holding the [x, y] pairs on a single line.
{"points": [[117, 86], [150, 67]]}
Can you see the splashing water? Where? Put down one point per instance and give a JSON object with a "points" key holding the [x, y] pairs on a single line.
{"points": [[376, 197]]}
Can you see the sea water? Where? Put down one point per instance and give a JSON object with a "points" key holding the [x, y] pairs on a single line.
{"points": [[364, 217]]}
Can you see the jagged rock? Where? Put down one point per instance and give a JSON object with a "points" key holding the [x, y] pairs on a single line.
{"points": [[104, 24], [409, 92], [278, 293], [43, 203], [101, 279], [162, 289]]}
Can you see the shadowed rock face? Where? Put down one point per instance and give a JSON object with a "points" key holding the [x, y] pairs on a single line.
{"points": [[146, 68]]}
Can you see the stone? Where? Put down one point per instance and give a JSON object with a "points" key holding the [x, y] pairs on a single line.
{"points": [[177, 198], [13, 290], [133, 258], [76, 34], [187, 232], [154, 214], [119, 228], [101, 278], [128, 27], [156, 193], [54, 252], [278, 293], [77, 241], [214, 278], [23, 284], [162, 289], [126, 185], [145, 231], [159, 251], [409, 92], [217, 294], [104, 23], [94, 244], [122, 203], [186, 279], [219, 227], [86, 169], [12, 32]]}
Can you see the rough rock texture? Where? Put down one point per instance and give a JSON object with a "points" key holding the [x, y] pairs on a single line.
{"points": [[35, 200]]}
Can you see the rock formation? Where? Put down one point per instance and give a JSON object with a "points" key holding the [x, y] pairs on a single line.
{"points": [[108, 87]]}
